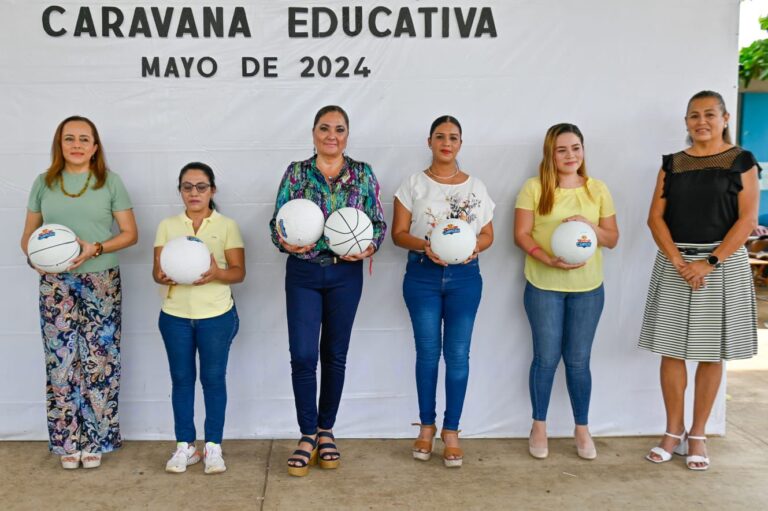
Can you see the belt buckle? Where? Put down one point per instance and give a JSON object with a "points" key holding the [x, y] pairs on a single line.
{"points": [[327, 260], [691, 251]]}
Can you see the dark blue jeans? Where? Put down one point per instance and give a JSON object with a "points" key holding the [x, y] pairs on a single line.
{"points": [[563, 326], [321, 303], [211, 337], [442, 302]]}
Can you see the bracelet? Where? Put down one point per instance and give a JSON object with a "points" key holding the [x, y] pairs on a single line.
{"points": [[534, 249], [99, 250]]}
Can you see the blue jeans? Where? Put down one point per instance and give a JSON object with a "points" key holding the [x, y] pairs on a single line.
{"points": [[442, 302], [321, 303], [563, 326], [211, 337]]}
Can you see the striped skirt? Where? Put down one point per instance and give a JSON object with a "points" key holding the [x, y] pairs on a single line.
{"points": [[717, 322]]}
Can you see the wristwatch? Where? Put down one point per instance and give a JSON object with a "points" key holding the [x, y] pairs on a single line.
{"points": [[713, 260], [99, 250]]}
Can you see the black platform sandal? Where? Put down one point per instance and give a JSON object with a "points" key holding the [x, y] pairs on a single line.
{"points": [[300, 466], [328, 459]]}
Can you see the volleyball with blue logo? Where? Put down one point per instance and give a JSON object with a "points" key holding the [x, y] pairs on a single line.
{"points": [[185, 259], [574, 242], [52, 248], [300, 222], [453, 240], [349, 231]]}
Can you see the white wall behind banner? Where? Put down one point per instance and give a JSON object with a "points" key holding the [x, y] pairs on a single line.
{"points": [[622, 71]]}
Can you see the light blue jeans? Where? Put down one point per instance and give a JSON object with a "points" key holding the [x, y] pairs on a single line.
{"points": [[563, 326]]}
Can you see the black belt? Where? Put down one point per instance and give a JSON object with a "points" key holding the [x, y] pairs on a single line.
{"points": [[696, 251], [325, 260]]}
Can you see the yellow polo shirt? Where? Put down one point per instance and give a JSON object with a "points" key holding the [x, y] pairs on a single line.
{"points": [[568, 202], [219, 233]]}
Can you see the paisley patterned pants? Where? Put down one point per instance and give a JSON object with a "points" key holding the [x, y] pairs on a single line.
{"points": [[80, 322]]}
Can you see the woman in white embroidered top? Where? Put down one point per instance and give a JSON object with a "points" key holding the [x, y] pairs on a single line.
{"points": [[442, 299]]}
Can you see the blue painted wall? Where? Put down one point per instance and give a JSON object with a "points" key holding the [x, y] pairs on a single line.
{"points": [[753, 135]]}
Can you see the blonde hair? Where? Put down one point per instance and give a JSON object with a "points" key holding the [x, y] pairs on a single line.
{"points": [[98, 164], [548, 169]]}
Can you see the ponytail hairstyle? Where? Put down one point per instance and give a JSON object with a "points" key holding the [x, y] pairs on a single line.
{"points": [[196, 165], [98, 164], [711, 94], [548, 170]]}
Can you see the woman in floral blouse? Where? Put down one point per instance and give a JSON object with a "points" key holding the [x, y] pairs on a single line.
{"points": [[323, 290], [442, 300]]}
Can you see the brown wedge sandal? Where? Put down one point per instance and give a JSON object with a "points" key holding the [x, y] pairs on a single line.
{"points": [[422, 449], [452, 456]]}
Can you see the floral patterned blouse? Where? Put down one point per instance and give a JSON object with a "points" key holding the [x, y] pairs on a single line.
{"points": [[355, 186]]}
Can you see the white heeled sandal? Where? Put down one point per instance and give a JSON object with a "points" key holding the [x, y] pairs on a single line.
{"points": [[696, 458], [71, 461], [681, 449], [91, 459]]}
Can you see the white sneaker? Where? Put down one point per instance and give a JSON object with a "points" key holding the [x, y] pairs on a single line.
{"points": [[184, 456], [214, 463]]}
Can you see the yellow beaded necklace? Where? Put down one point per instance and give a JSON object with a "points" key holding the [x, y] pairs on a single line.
{"points": [[82, 190]]}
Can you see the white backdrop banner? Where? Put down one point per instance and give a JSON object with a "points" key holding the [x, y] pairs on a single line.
{"points": [[236, 84]]}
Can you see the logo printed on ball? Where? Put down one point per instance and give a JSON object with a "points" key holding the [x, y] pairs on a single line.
{"points": [[281, 228], [45, 233], [584, 241], [451, 229]]}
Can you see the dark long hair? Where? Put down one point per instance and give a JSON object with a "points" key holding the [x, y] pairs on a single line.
{"points": [[207, 170], [98, 164]]}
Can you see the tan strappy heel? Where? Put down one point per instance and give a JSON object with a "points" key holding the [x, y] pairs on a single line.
{"points": [[422, 449], [452, 456]]}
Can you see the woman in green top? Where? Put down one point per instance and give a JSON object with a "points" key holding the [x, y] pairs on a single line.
{"points": [[80, 308]]}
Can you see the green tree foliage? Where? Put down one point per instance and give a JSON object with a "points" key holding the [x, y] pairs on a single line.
{"points": [[753, 59]]}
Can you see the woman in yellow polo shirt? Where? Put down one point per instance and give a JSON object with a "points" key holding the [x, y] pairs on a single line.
{"points": [[200, 317], [563, 301]]}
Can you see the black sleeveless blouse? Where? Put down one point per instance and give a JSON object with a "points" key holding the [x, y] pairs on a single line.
{"points": [[701, 193]]}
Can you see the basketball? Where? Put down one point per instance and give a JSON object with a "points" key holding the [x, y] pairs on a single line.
{"points": [[185, 259], [349, 231], [52, 248], [300, 222], [574, 242], [453, 240]]}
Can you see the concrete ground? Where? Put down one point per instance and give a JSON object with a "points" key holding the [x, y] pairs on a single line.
{"points": [[380, 474]]}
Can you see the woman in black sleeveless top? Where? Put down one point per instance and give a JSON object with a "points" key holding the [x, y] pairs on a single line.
{"points": [[701, 302]]}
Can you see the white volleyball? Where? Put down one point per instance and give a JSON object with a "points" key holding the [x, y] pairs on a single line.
{"points": [[349, 231], [185, 259], [574, 242], [52, 248], [300, 222], [453, 240]]}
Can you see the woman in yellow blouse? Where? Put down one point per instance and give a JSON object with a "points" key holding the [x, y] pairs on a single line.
{"points": [[563, 301], [200, 317]]}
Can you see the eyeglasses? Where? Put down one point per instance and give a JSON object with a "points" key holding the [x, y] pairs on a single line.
{"points": [[201, 187]]}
